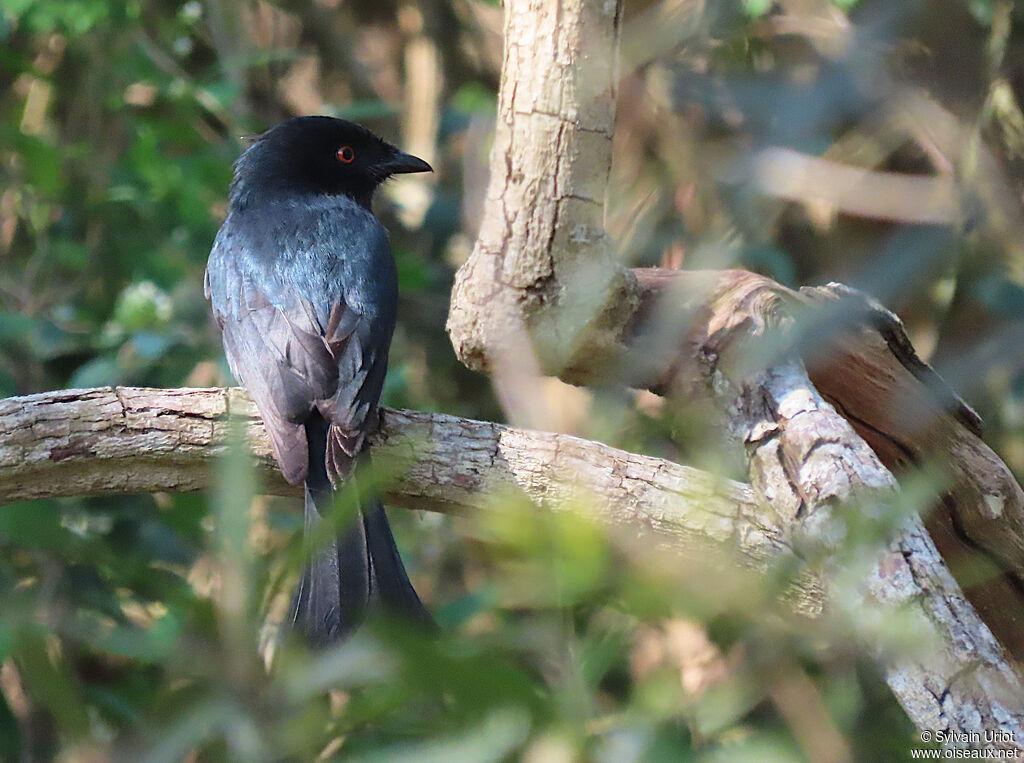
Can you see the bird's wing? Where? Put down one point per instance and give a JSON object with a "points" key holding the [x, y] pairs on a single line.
{"points": [[361, 354], [299, 337]]}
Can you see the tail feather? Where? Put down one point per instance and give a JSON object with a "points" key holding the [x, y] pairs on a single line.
{"points": [[362, 568], [389, 582], [334, 589]]}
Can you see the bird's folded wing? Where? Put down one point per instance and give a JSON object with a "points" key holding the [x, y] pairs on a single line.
{"points": [[294, 355]]}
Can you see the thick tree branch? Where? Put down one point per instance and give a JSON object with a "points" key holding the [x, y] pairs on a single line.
{"points": [[136, 440]]}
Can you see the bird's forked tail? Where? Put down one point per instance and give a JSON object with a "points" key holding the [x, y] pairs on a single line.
{"points": [[362, 569]]}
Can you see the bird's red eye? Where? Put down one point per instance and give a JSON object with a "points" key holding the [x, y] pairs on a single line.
{"points": [[346, 154]]}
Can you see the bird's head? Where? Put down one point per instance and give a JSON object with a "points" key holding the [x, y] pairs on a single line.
{"points": [[318, 155]]}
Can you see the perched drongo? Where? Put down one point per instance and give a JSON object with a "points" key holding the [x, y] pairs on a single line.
{"points": [[304, 287]]}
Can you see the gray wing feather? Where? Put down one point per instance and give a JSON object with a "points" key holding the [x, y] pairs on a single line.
{"points": [[299, 342]]}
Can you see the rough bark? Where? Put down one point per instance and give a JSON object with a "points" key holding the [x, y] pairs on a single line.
{"points": [[120, 440], [822, 480], [542, 259], [136, 440], [541, 280]]}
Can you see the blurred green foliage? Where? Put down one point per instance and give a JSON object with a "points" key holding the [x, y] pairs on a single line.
{"points": [[141, 627]]}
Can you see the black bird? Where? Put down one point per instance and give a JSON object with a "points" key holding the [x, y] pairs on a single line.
{"points": [[304, 287]]}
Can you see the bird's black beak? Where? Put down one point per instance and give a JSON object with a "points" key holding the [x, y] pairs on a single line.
{"points": [[402, 163]]}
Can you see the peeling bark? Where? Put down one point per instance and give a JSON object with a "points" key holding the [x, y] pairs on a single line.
{"points": [[815, 472]]}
